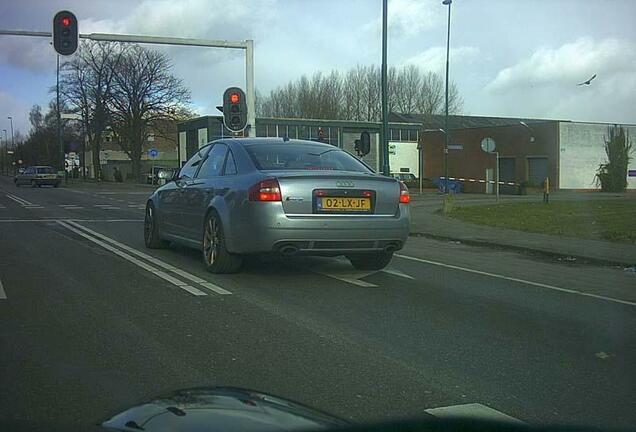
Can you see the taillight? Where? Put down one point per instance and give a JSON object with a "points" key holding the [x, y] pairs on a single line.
{"points": [[266, 190], [405, 198]]}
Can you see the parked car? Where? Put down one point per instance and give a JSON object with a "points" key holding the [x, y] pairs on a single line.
{"points": [[260, 195], [153, 177], [405, 177], [38, 176]]}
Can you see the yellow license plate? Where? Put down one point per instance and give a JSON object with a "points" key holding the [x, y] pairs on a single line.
{"points": [[345, 204]]}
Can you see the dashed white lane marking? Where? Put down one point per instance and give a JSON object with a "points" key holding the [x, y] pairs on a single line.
{"points": [[473, 411], [2, 207], [217, 289], [34, 206], [139, 263], [70, 206], [523, 281], [3, 293], [106, 207]]}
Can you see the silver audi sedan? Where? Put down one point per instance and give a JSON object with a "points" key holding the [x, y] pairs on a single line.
{"points": [[273, 196]]}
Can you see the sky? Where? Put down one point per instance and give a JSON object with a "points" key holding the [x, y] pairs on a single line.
{"points": [[510, 58]]}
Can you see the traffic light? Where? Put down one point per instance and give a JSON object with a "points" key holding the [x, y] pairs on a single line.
{"points": [[65, 33], [363, 145], [234, 109]]}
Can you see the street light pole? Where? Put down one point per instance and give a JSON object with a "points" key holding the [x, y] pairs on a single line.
{"points": [[385, 123], [447, 3]]}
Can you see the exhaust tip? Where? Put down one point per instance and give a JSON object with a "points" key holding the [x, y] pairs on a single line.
{"points": [[390, 248], [288, 250]]}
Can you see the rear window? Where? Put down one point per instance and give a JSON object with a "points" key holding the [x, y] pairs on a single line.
{"points": [[268, 157], [45, 170]]}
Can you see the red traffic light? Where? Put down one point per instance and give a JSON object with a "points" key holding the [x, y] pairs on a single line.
{"points": [[66, 21], [235, 98]]}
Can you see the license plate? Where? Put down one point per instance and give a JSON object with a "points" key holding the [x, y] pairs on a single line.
{"points": [[345, 204]]}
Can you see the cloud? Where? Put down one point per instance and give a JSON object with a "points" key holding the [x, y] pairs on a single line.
{"points": [[434, 59], [409, 18], [33, 54], [544, 85], [569, 64], [18, 109]]}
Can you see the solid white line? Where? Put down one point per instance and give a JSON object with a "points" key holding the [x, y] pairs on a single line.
{"points": [[25, 202], [3, 293], [217, 289], [139, 263], [15, 199], [523, 281], [55, 219]]}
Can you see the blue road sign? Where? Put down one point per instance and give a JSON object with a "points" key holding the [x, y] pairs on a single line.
{"points": [[153, 152]]}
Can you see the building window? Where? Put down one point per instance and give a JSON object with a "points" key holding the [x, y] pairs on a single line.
{"points": [[271, 130], [333, 136], [282, 131], [413, 135], [261, 130], [303, 132], [394, 134]]}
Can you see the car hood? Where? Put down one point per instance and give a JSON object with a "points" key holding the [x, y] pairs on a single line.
{"points": [[220, 408]]}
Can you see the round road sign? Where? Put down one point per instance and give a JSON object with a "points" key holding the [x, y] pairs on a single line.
{"points": [[488, 145]]}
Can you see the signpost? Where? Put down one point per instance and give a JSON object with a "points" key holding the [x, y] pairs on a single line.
{"points": [[153, 152], [488, 145]]}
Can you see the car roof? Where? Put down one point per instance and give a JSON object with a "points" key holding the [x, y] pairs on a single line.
{"points": [[247, 142]]}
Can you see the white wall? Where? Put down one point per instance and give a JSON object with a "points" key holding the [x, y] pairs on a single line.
{"points": [[406, 156], [582, 151]]}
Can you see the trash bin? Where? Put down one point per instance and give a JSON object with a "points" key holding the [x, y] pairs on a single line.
{"points": [[454, 186]]}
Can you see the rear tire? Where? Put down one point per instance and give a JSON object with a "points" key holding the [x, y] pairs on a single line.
{"points": [[152, 237], [370, 261], [216, 257]]}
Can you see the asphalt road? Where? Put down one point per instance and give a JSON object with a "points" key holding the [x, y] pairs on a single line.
{"points": [[92, 322]]}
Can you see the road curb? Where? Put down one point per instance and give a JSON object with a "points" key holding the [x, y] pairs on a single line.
{"points": [[567, 257]]}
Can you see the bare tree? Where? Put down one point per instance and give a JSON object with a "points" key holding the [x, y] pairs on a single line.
{"points": [[357, 95], [145, 93], [86, 85]]}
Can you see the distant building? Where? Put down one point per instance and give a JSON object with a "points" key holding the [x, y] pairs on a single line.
{"points": [[530, 150], [568, 153]]}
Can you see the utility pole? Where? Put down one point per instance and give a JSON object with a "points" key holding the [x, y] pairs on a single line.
{"points": [[447, 3], [12, 139], [386, 170]]}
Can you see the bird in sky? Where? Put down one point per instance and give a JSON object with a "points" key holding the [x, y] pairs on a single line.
{"points": [[588, 81]]}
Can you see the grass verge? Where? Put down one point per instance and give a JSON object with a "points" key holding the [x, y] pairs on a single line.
{"points": [[612, 220]]}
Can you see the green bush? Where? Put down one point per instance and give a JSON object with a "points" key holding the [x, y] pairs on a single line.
{"points": [[612, 176]]}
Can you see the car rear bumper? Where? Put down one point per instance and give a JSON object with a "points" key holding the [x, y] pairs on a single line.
{"points": [[264, 227], [47, 182]]}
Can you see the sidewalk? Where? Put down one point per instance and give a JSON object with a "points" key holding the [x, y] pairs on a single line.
{"points": [[426, 221]]}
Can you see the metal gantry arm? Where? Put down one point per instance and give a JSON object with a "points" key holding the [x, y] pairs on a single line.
{"points": [[247, 45]]}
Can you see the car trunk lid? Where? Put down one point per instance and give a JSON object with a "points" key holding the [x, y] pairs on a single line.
{"points": [[336, 192]]}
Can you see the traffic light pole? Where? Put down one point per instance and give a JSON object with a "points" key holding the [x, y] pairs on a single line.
{"points": [[247, 45], [59, 116], [385, 123]]}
